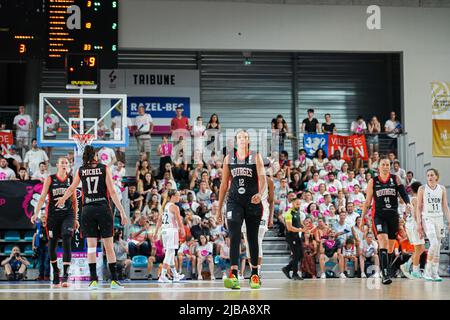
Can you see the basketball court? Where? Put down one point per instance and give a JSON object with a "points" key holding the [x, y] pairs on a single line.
{"points": [[272, 289]]}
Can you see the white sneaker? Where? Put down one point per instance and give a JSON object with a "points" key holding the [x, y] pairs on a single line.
{"points": [[213, 278], [224, 276], [164, 279], [405, 270], [343, 276], [241, 277], [363, 276], [377, 275], [178, 277], [323, 276], [199, 277]]}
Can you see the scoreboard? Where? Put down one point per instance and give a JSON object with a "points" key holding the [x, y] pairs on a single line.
{"points": [[51, 29], [82, 26]]}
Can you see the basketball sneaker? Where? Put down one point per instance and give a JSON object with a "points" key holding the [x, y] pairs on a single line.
{"points": [[405, 270], [93, 285], [416, 275], [164, 279], [427, 276], [343, 276], [363, 275], [255, 282], [115, 284], [231, 282], [178, 277], [435, 273], [323, 275]]}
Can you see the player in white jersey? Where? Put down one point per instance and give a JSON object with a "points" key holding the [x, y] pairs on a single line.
{"points": [[431, 206], [414, 238], [267, 201], [170, 222]]}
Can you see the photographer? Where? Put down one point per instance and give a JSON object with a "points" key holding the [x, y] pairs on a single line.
{"points": [[121, 251], [139, 243], [15, 265], [40, 249]]}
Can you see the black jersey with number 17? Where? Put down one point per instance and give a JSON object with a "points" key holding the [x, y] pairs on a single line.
{"points": [[244, 178], [93, 179], [385, 194]]}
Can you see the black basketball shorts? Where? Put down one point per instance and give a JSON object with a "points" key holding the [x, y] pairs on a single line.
{"points": [[387, 222], [60, 225], [97, 221], [237, 211]]}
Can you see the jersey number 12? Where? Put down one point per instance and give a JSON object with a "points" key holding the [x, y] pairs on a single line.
{"points": [[92, 184]]}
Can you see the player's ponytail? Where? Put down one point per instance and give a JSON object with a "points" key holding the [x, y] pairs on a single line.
{"points": [[88, 155]]}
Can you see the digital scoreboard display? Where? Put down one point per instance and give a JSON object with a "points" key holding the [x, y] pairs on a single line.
{"points": [[82, 69], [22, 29], [82, 26]]}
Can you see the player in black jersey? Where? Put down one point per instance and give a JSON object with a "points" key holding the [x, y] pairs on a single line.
{"points": [[384, 190], [244, 179], [61, 222], [97, 219]]}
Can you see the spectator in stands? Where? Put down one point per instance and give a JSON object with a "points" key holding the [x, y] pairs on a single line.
{"points": [[139, 243], [224, 257], [142, 170], [358, 126], [303, 163], [23, 174], [5, 172], [23, 124], [297, 184], [352, 215], [333, 185], [374, 128], [308, 267], [314, 183], [357, 162], [285, 163], [409, 181], [337, 161], [349, 253], [121, 251], [374, 162], [349, 184], [201, 229], [15, 157], [204, 194], [42, 173], [310, 124], [51, 126], [40, 248], [198, 133], [34, 157], [107, 156], [186, 252], [359, 231], [164, 152], [213, 130], [102, 131], [392, 127], [330, 249], [135, 199], [204, 253], [116, 123], [15, 265], [342, 228], [157, 256], [118, 171], [357, 198], [320, 160], [401, 173], [167, 182], [368, 251], [179, 125], [328, 126], [144, 123], [147, 186]]}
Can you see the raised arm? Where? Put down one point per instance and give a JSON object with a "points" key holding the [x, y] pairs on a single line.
{"points": [[41, 201]]}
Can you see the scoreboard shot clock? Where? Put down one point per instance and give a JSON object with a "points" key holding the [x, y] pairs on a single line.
{"points": [[82, 70]]}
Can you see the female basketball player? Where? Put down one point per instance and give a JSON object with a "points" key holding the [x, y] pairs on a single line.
{"points": [[61, 222], [267, 201], [170, 222], [414, 238], [244, 177], [431, 206], [384, 189], [97, 218]]}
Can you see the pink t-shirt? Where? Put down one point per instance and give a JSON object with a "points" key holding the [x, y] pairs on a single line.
{"points": [[166, 149]]}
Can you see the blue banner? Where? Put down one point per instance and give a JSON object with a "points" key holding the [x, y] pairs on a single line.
{"points": [[157, 107], [313, 142]]}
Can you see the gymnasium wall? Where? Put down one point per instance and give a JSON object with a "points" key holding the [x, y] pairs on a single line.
{"points": [[421, 34]]}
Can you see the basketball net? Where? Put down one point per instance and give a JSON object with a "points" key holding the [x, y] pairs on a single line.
{"points": [[82, 140]]}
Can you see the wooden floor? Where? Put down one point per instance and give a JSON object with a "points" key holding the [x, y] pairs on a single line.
{"points": [[353, 289]]}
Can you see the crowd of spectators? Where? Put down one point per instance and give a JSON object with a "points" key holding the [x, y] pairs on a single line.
{"points": [[331, 193]]}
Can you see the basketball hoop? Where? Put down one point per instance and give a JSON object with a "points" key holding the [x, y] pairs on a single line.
{"points": [[82, 140]]}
